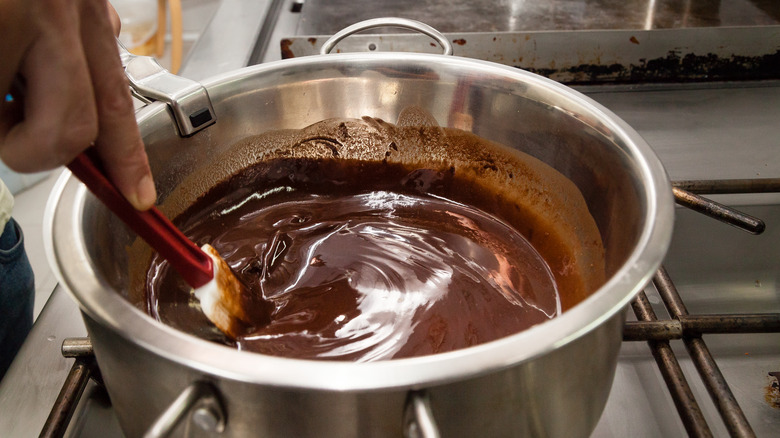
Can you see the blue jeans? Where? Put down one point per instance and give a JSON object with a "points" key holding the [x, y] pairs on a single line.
{"points": [[17, 293]]}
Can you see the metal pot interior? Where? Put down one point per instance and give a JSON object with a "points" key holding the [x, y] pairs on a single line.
{"points": [[620, 178]]}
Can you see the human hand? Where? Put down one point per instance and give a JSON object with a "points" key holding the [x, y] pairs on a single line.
{"points": [[76, 93]]}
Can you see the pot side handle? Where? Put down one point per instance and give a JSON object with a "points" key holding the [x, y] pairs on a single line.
{"points": [[418, 416], [202, 400], [188, 100], [373, 23]]}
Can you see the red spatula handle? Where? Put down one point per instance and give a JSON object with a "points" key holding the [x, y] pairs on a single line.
{"points": [[189, 261]]}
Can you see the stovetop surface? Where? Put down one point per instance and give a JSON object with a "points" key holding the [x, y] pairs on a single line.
{"points": [[327, 17]]}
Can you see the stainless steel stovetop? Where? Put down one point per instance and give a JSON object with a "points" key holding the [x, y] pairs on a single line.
{"points": [[701, 130]]}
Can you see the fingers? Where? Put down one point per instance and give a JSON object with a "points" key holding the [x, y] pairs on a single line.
{"points": [[59, 117], [116, 23], [118, 142], [75, 95]]}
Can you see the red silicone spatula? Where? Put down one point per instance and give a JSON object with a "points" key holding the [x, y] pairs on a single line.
{"points": [[222, 295]]}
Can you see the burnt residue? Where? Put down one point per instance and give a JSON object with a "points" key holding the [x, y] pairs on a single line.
{"points": [[674, 67], [343, 131], [772, 392], [286, 51]]}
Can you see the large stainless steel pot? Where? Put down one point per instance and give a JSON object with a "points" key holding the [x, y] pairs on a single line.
{"points": [[551, 380]]}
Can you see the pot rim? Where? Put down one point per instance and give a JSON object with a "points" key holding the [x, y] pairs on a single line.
{"points": [[97, 299]]}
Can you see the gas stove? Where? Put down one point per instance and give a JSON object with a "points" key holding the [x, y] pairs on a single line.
{"points": [[701, 350]]}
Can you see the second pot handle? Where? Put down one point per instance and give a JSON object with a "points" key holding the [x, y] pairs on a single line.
{"points": [[373, 23], [189, 101], [418, 416], [202, 400]]}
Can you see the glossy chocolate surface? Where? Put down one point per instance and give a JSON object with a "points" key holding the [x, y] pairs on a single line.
{"points": [[370, 260]]}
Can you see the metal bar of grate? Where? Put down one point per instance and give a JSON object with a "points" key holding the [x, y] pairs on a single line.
{"points": [[68, 398], [693, 325], [718, 211], [690, 413], [83, 369], [729, 186], [713, 379]]}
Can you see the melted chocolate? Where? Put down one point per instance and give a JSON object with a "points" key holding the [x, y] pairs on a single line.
{"points": [[403, 266]]}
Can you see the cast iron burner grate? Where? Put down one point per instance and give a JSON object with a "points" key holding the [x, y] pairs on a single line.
{"points": [[690, 328], [657, 333]]}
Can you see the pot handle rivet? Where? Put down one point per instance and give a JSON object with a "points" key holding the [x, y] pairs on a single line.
{"points": [[418, 416], [202, 399], [373, 23]]}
